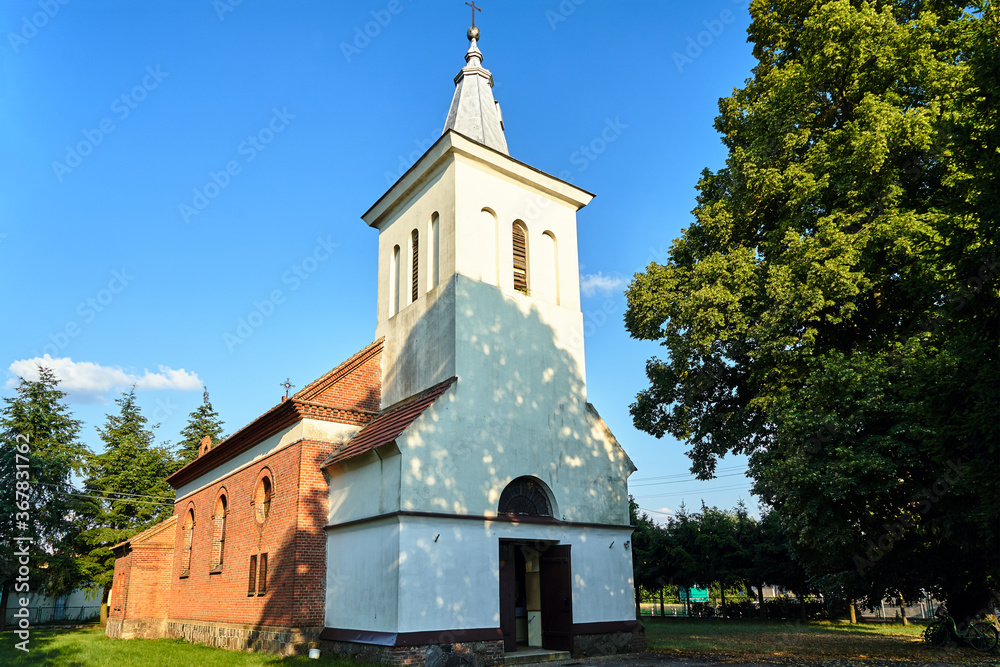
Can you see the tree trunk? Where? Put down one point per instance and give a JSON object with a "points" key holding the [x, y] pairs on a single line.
{"points": [[4, 596], [760, 600], [854, 618], [662, 608], [722, 589], [104, 606], [902, 610], [802, 607], [638, 609]]}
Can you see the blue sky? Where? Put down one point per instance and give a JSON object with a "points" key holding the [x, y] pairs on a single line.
{"points": [[168, 165]]}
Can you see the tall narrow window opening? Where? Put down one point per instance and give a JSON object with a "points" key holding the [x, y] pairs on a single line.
{"points": [[520, 235], [188, 542], [219, 521], [394, 279], [262, 581], [415, 264], [433, 257], [262, 499], [252, 587]]}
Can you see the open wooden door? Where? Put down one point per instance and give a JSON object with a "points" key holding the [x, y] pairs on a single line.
{"points": [[557, 598], [508, 592]]}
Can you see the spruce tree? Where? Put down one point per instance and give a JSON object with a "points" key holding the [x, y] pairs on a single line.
{"points": [[203, 421], [40, 451], [126, 484]]}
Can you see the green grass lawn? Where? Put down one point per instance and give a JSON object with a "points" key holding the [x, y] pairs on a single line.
{"points": [[90, 648], [814, 640]]}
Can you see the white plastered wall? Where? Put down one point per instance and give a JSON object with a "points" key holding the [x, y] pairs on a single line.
{"points": [[453, 582], [362, 576]]}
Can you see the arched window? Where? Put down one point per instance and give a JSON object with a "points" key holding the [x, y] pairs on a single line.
{"points": [[414, 264], [488, 247], [520, 235], [188, 542], [546, 274], [219, 526], [525, 496], [394, 279], [262, 498], [433, 257]]}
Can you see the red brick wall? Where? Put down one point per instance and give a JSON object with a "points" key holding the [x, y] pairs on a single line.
{"points": [[359, 389], [141, 588], [292, 536]]}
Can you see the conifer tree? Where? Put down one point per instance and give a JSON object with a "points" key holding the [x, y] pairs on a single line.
{"points": [[126, 484], [39, 452], [203, 421]]}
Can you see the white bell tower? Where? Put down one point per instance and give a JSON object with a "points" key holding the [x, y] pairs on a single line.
{"points": [[467, 237]]}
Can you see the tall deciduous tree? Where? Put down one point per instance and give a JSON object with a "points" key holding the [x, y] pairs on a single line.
{"points": [[833, 311], [40, 450], [201, 422], [127, 485]]}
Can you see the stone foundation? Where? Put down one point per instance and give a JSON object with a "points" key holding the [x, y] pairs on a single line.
{"points": [[280, 641], [609, 643], [467, 654], [135, 628]]}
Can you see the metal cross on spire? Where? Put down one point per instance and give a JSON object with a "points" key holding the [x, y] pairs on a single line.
{"points": [[287, 384], [474, 10]]}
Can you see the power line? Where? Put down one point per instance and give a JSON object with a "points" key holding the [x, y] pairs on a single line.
{"points": [[682, 481], [688, 474], [126, 497]]}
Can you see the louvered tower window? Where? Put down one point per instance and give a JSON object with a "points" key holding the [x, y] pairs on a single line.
{"points": [[415, 268], [520, 258]]}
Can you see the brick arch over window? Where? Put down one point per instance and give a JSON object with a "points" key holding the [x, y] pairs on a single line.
{"points": [[220, 516], [263, 495], [187, 537], [526, 496]]}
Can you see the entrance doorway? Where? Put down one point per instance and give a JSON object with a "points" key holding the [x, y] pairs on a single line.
{"points": [[536, 596]]}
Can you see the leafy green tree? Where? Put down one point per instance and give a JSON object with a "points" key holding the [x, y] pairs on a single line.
{"points": [[126, 484], [201, 422], [647, 552], [40, 451], [833, 310]]}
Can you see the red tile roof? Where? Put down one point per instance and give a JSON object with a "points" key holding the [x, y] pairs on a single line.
{"points": [[388, 425], [349, 394]]}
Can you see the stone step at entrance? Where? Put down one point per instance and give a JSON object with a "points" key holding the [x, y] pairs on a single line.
{"points": [[525, 656]]}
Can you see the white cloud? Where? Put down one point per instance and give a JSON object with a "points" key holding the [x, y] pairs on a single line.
{"points": [[88, 381], [592, 284]]}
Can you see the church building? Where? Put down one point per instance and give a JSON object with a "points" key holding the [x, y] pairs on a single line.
{"points": [[446, 495]]}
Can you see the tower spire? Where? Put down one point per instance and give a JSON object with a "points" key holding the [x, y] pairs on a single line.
{"points": [[474, 113]]}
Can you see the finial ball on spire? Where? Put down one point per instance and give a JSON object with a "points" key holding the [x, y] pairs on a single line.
{"points": [[473, 33]]}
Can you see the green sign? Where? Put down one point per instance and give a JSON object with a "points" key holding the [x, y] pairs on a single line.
{"points": [[697, 594]]}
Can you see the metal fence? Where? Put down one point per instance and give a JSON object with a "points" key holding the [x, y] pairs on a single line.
{"points": [[58, 614]]}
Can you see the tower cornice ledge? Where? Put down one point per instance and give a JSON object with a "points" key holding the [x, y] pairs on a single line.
{"points": [[452, 145]]}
